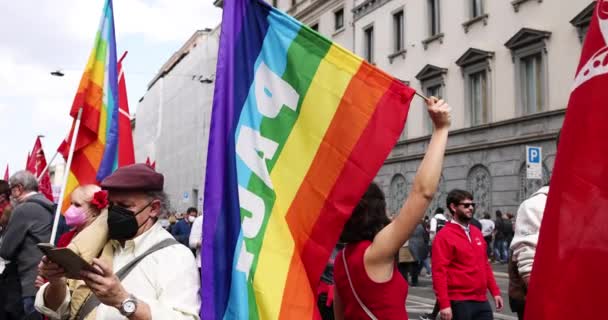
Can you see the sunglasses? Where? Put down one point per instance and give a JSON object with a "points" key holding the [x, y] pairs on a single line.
{"points": [[467, 205]]}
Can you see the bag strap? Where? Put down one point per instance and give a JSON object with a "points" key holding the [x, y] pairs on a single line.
{"points": [[92, 302], [367, 311]]}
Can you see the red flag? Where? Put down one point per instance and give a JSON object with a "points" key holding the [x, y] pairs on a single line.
{"points": [[150, 163], [126, 153], [35, 165], [568, 276], [6, 173]]}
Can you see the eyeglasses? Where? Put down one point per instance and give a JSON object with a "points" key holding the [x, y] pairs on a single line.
{"points": [[466, 205]]}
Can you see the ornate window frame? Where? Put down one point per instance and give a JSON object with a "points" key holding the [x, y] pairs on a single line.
{"points": [[479, 183], [472, 62]]}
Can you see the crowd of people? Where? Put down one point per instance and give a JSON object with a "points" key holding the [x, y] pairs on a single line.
{"points": [[116, 228], [124, 228]]}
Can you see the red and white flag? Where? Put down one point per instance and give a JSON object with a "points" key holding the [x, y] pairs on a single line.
{"points": [[126, 152], [569, 272], [6, 173]]}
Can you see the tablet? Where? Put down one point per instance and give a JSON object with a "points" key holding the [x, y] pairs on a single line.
{"points": [[66, 258]]}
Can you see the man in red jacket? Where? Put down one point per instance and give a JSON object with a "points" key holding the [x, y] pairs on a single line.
{"points": [[461, 272]]}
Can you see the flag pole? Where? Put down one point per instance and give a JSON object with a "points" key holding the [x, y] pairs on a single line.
{"points": [[48, 165], [421, 96], [66, 174]]}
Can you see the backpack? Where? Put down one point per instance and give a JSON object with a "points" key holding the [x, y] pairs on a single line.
{"points": [[440, 224]]}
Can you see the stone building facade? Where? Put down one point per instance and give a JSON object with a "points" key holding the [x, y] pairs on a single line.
{"points": [[173, 118]]}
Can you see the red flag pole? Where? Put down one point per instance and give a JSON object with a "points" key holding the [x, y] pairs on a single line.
{"points": [[66, 174]]}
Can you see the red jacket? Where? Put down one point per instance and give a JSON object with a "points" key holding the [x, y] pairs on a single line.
{"points": [[461, 270]]}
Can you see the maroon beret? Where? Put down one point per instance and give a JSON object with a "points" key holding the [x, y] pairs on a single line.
{"points": [[135, 177]]}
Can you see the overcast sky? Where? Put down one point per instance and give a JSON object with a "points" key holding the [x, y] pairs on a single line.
{"points": [[40, 36]]}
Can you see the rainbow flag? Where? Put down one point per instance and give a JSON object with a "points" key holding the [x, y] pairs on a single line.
{"points": [[96, 152], [300, 127]]}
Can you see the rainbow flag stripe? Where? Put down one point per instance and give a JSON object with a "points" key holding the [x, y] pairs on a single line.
{"points": [[299, 129], [96, 152]]}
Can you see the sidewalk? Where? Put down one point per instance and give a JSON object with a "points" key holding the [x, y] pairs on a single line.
{"points": [[500, 270]]}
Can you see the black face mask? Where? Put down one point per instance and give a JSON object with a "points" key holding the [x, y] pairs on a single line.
{"points": [[122, 224]]}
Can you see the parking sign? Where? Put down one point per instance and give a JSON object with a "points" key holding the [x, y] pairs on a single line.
{"points": [[534, 167]]}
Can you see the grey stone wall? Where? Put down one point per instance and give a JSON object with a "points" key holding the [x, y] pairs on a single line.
{"points": [[487, 160]]}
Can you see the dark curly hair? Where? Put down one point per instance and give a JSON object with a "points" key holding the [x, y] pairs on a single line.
{"points": [[368, 217]]}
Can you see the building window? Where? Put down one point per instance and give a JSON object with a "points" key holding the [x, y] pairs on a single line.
{"points": [[476, 8], [582, 20], [479, 183], [475, 66], [369, 43], [478, 87], [432, 82], [398, 28], [339, 19], [398, 192], [528, 49], [432, 91], [293, 2], [434, 26], [315, 27], [274, 3], [532, 84], [528, 186]]}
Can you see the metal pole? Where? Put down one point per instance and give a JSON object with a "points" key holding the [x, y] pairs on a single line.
{"points": [[66, 174], [48, 165], [421, 96]]}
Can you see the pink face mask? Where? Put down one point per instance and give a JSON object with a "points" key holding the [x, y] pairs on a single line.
{"points": [[75, 216]]}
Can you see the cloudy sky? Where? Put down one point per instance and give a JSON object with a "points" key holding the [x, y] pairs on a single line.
{"points": [[40, 36]]}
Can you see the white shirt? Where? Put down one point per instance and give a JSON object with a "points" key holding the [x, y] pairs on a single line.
{"points": [[466, 228], [196, 236], [166, 280], [487, 227], [433, 227]]}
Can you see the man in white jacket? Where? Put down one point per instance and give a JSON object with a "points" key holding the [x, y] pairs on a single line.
{"points": [[523, 246]]}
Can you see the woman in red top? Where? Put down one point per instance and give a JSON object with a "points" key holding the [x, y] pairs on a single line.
{"points": [[367, 282]]}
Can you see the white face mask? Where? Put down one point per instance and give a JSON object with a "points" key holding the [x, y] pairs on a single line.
{"points": [[191, 218]]}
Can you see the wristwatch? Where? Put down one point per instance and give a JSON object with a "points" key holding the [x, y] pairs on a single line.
{"points": [[129, 306]]}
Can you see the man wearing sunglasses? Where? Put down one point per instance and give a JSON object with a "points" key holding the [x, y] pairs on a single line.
{"points": [[461, 271]]}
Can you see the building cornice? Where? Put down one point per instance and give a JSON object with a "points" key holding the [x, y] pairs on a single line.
{"points": [[583, 17], [525, 37], [367, 7]]}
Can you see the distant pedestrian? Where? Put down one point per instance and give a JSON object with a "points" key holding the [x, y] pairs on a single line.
{"points": [[181, 229], [487, 229], [196, 236], [501, 253]]}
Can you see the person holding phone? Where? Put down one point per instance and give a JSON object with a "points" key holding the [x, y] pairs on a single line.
{"points": [[143, 273]]}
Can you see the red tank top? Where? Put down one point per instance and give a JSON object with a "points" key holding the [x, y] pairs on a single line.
{"points": [[385, 300]]}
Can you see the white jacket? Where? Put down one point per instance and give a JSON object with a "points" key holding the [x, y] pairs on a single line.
{"points": [[527, 227]]}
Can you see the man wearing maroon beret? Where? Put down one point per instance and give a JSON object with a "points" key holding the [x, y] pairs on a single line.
{"points": [[149, 275]]}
